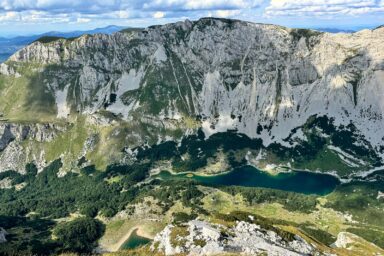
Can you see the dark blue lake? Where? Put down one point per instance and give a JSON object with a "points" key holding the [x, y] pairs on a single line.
{"points": [[248, 176]]}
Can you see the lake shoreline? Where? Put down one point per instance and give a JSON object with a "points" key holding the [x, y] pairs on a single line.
{"points": [[140, 231], [278, 169], [249, 176]]}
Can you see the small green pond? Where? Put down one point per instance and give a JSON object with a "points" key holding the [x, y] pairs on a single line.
{"points": [[134, 241], [248, 176]]}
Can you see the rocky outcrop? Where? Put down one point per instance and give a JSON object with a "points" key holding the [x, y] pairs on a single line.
{"points": [[13, 158], [6, 183], [7, 70], [352, 242], [203, 238], [3, 233], [15, 154], [6, 137], [19, 132]]}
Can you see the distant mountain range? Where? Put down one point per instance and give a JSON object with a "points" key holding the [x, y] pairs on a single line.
{"points": [[8, 46], [336, 30]]}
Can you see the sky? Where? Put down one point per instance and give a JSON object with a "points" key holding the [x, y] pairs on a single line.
{"points": [[26, 17]]}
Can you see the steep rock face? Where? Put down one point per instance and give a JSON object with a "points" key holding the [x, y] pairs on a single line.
{"points": [[20, 132], [14, 153], [7, 70], [262, 80]]}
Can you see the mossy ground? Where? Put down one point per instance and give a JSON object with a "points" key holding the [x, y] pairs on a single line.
{"points": [[323, 218], [177, 236]]}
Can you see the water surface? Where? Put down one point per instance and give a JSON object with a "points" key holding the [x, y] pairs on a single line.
{"points": [[248, 176], [135, 241]]}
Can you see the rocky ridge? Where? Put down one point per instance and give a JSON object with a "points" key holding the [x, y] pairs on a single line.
{"points": [[203, 238]]}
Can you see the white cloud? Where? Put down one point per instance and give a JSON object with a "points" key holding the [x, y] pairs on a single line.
{"points": [[202, 4], [89, 10], [100, 6], [159, 11], [225, 13], [83, 20], [323, 7], [9, 16], [158, 15]]}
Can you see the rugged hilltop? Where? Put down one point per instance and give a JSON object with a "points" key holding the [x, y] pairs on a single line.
{"points": [[108, 94]]}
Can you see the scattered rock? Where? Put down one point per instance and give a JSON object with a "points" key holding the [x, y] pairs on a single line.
{"points": [[3, 233], [380, 195], [6, 183], [204, 238]]}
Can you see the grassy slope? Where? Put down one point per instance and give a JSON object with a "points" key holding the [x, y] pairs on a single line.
{"points": [[25, 98], [324, 219]]}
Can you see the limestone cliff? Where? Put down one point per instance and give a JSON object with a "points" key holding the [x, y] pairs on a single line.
{"points": [[265, 81]]}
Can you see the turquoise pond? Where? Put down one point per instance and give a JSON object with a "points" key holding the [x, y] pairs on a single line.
{"points": [[248, 176], [135, 241]]}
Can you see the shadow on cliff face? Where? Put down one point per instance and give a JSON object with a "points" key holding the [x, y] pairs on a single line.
{"points": [[40, 99]]}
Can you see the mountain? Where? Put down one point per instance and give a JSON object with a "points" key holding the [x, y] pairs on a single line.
{"points": [[267, 82], [336, 30], [148, 129], [105, 30], [9, 46]]}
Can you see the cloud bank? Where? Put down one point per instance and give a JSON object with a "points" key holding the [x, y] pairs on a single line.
{"points": [[145, 12], [72, 10], [330, 8]]}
